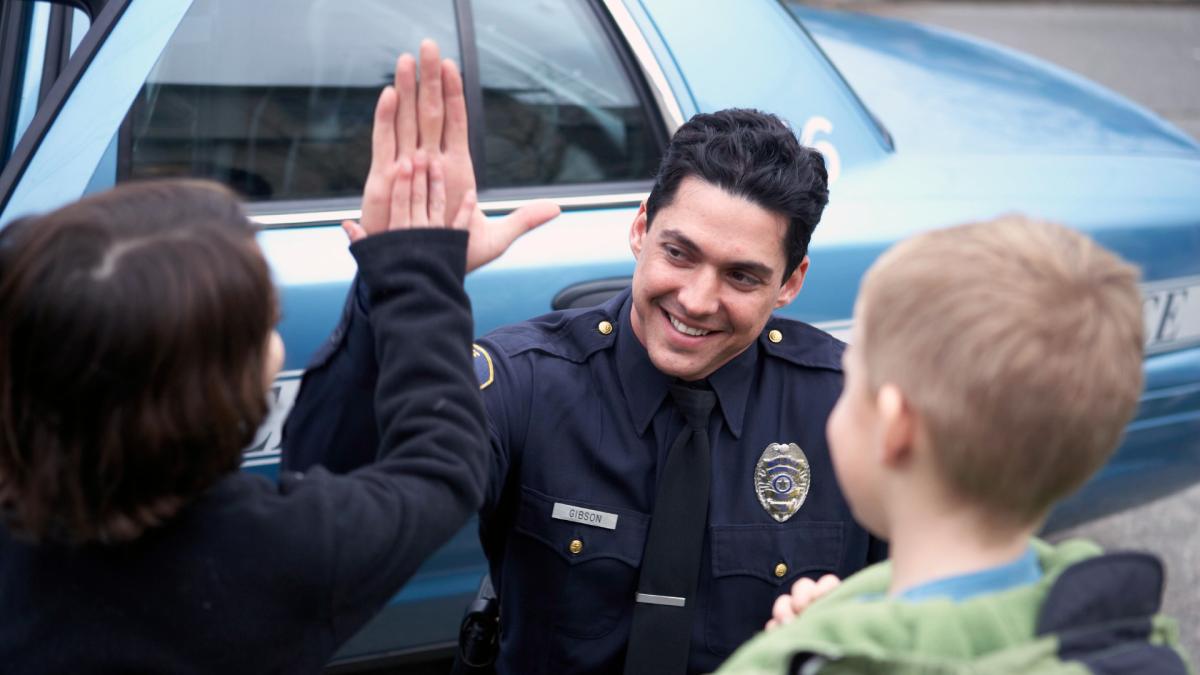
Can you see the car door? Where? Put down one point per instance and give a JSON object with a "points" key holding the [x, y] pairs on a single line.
{"points": [[275, 98]]}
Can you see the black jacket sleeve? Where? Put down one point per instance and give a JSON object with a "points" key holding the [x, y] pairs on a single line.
{"points": [[390, 515]]}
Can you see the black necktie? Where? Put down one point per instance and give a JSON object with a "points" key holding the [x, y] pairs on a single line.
{"points": [[666, 599]]}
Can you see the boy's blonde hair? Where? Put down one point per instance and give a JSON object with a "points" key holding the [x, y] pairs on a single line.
{"points": [[1019, 345]]}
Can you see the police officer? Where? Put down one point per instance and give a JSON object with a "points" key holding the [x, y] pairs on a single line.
{"points": [[659, 469]]}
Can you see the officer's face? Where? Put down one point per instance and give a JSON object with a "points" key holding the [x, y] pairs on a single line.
{"points": [[708, 276]]}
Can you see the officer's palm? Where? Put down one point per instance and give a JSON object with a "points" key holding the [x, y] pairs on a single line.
{"points": [[489, 238]]}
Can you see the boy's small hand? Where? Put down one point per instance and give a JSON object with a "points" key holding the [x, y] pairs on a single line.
{"points": [[804, 592]]}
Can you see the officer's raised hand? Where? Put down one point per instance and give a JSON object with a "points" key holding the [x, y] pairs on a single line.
{"points": [[433, 119]]}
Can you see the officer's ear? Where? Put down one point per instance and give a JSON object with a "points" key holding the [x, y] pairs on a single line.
{"points": [[637, 231], [791, 287]]}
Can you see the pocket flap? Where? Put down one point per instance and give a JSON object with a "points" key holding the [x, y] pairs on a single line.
{"points": [[575, 541], [760, 550]]}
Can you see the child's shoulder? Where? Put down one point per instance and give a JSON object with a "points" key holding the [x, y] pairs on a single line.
{"points": [[1017, 630]]}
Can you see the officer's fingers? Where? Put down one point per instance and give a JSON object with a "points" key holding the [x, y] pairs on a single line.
{"points": [[353, 230], [528, 217], [490, 238], [406, 107], [401, 195], [466, 211], [420, 189], [454, 138], [378, 186], [430, 107], [383, 130], [437, 194]]}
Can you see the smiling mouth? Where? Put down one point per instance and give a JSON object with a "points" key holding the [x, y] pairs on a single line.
{"points": [[686, 329]]}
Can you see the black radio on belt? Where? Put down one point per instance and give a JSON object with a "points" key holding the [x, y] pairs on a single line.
{"points": [[479, 634]]}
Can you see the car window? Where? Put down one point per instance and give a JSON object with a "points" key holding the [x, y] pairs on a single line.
{"points": [[274, 98], [559, 106]]}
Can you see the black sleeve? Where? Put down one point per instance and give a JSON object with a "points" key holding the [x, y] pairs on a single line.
{"points": [[390, 515], [332, 422]]}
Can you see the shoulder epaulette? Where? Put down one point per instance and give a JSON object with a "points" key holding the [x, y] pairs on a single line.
{"points": [[801, 344], [573, 334]]}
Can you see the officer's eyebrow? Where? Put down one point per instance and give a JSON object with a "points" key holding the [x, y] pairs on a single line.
{"points": [[751, 266]]}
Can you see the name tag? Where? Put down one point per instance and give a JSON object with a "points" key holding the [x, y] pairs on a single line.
{"points": [[578, 514]]}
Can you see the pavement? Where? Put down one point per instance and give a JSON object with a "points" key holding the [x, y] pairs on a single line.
{"points": [[1150, 53]]}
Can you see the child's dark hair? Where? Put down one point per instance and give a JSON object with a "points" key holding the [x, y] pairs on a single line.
{"points": [[134, 328]]}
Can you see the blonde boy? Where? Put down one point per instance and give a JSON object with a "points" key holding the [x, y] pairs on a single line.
{"points": [[993, 368]]}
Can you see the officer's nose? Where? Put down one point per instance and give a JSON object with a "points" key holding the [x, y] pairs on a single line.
{"points": [[700, 296]]}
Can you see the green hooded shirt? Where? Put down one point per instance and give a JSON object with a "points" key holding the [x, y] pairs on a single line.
{"points": [[1088, 610]]}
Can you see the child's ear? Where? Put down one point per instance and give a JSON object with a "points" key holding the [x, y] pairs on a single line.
{"points": [[897, 424]]}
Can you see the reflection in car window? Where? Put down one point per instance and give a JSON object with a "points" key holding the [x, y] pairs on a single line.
{"points": [[558, 106], [274, 98]]}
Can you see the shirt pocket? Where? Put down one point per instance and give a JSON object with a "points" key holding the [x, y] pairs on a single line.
{"points": [[752, 565], [596, 567]]}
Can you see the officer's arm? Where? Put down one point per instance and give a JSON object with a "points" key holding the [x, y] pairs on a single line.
{"points": [[506, 384], [333, 421]]}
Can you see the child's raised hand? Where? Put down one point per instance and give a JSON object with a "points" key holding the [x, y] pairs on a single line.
{"points": [[804, 592], [418, 199]]}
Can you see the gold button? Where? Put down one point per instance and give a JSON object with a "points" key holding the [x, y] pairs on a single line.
{"points": [[605, 328], [576, 546], [775, 336], [780, 570]]}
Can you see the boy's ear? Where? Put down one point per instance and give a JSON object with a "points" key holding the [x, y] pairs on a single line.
{"points": [[898, 425]]}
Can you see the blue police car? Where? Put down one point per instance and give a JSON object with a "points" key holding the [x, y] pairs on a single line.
{"points": [[573, 100]]}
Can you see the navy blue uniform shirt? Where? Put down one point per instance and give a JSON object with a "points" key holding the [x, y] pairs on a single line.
{"points": [[580, 421]]}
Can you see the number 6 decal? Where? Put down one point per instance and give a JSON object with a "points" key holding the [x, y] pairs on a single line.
{"points": [[820, 125]]}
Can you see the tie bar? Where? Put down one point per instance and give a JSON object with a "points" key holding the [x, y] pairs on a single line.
{"points": [[669, 600]]}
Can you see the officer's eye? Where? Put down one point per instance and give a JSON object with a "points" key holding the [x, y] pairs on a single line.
{"points": [[674, 252], [744, 279]]}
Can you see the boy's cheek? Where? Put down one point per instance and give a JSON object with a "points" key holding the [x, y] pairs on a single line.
{"points": [[839, 430], [850, 452]]}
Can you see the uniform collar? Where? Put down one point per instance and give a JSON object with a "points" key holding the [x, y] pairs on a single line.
{"points": [[645, 386]]}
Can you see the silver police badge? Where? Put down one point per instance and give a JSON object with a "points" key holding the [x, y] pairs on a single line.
{"points": [[782, 479]]}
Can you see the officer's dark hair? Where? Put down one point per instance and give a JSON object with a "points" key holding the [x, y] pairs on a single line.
{"points": [[754, 155], [134, 329]]}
